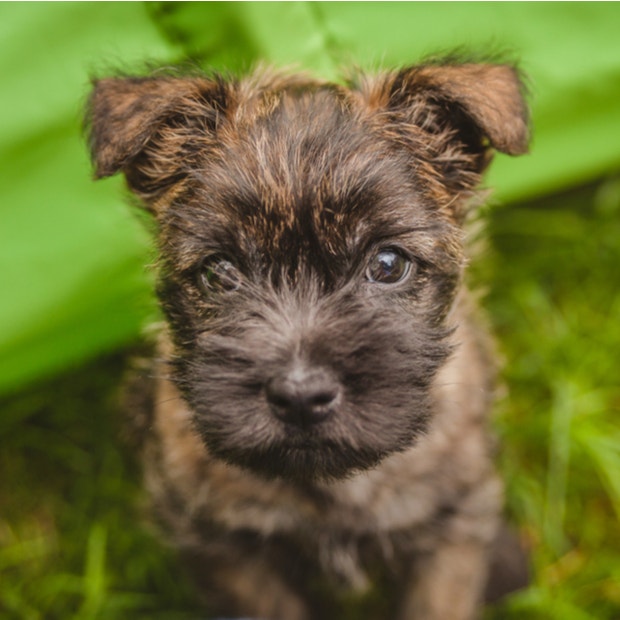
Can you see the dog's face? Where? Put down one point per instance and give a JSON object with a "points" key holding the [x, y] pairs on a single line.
{"points": [[310, 246]]}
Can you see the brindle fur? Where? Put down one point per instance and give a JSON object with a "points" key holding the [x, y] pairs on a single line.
{"points": [[298, 183]]}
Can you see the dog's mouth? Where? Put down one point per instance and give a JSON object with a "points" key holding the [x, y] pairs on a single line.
{"points": [[305, 431], [296, 444], [303, 459]]}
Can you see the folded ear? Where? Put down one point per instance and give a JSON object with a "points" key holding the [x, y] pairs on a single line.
{"points": [[148, 127], [457, 113], [481, 100]]}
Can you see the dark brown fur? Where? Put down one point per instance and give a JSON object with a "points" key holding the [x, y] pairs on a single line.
{"points": [[272, 195]]}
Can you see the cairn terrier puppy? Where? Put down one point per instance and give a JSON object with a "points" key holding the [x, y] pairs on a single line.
{"points": [[318, 425]]}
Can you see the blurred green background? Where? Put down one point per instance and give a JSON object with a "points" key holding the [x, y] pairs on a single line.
{"points": [[77, 295]]}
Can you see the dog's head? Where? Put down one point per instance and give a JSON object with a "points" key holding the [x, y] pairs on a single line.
{"points": [[310, 240]]}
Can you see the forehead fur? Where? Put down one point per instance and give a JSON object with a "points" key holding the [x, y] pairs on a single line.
{"points": [[309, 167]]}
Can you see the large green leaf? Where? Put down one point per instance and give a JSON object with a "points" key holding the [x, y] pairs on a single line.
{"points": [[71, 256]]}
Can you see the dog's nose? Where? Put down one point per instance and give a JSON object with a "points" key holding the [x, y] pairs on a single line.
{"points": [[303, 397]]}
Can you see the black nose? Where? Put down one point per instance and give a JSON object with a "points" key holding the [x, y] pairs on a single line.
{"points": [[303, 397]]}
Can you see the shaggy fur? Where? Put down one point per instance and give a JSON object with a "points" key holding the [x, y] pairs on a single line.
{"points": [[318, 431]]}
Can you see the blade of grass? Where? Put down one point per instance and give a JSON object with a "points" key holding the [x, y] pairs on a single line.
{"points": [[94, 580]]}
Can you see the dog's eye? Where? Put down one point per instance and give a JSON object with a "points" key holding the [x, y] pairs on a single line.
{"points": [[388, 267], [218, 274]]}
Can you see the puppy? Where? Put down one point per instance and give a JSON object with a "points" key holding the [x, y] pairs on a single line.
{"points": [[318, 436]]}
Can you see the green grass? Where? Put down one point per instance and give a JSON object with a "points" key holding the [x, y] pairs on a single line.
{"points": [[554, 300], [74, 538]]}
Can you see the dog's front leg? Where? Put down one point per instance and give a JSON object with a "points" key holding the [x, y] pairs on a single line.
{"points": [[249, 586], [447, 584]]}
